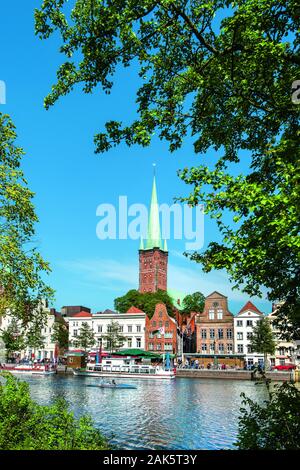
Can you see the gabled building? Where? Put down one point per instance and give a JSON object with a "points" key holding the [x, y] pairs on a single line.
{"points": [[244, 322], [214, 328], [161, 332]]}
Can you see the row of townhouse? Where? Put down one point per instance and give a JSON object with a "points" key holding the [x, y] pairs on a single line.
{"points": [[216, 331], [49, 350]]}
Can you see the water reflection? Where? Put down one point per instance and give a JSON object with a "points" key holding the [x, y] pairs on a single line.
{"points": [[182, 414]]}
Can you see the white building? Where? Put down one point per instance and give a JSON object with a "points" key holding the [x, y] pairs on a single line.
{"points": [[131, 326], [244, 322], [287, 352], [48, 351]]}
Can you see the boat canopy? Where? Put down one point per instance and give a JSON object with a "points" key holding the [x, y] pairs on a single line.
{"points": [[137, 352]]}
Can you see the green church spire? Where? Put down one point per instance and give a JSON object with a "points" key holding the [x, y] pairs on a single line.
{"points": [[154, 238]]}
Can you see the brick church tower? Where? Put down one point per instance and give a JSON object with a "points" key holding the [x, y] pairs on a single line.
{"points": [[154, 255]]}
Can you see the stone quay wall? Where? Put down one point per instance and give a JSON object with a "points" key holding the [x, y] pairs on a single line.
{"points": [[229, 374]]}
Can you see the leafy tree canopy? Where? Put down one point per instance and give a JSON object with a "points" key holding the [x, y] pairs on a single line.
{"points": [[274, 425], [12, 338], [220, 72], [113, 337], [22, 290], [145, 301], [193, 303], [25, 425], [86, 337], [262, 339], [60, 335]]}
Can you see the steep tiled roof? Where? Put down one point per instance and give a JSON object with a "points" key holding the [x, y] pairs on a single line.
{"points": [[250, 306], [133, 309], [82, 314]]}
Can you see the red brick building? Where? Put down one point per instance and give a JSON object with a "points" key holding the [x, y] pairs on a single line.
{"points": [[214, 327], [161, 332]]}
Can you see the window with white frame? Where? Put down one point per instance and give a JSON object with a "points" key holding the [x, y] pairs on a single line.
{"points": [[138, 342], [138, 328], [240, 335], [75, 333], [121, 328], [204, 348], [221, 348], [129, 342], [203, 333], [99, 328], [211, 333], [150, 346], [129, 328], [240, 348], [211, 314], [229, 348], [220, 314], [239, 323]]}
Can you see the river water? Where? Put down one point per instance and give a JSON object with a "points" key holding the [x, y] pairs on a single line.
{"points": [[180, 414]]}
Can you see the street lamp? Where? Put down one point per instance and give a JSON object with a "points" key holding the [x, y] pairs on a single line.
{"points": [[215, 357]]}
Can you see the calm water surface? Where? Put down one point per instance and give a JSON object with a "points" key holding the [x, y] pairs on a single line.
{"points": [[180, 414]]}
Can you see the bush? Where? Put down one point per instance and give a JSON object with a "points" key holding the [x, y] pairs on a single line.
{"points": [[25, 425], [274, 426]]}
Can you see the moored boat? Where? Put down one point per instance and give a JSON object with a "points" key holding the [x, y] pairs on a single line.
{"points": [[32, 369], [124, 368]]}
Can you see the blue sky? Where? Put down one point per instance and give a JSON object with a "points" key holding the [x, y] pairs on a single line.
{"points": [[70, 181]]}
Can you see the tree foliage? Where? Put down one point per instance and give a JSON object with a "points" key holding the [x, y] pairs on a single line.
{"points": [[12, 338], [145, 301], [193, 303], [86, 338], [60, 335], [113, 337], [22, 290], [273, 426], [220, 72], [25, 425], [262, 339]]}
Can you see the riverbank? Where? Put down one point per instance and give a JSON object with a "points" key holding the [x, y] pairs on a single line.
{"points": [[228, 374]]}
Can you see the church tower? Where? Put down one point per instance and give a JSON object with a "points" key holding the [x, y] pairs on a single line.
{"points": [[153, 255]]}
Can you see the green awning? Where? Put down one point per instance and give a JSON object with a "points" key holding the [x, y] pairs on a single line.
{"points": [[136, 352]]}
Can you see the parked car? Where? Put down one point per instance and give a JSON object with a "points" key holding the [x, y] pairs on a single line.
{"points": [[285, 367]]}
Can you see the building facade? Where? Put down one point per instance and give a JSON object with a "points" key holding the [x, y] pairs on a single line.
{"points": [[161, 332], [214, 327], [244, 322], [286, 352], [49, 350], [131, 326]]}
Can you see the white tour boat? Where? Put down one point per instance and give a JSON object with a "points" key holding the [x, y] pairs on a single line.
{"points": [[124, 368], [32, 369]]}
